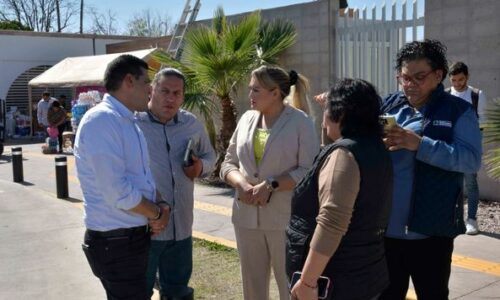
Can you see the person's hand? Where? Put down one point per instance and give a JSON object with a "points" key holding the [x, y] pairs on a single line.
{"points": [[321, 99], [260, 194], [302, 292], [195, 169], [159, 225], [245, 191], [397, 138]]}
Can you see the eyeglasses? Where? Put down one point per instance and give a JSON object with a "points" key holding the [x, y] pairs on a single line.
{"points": [[416, 80]]}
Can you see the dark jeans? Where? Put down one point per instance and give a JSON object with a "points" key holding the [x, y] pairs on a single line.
{"points": [[120, 262], [472, 195], [61, 129], [174, 261], [426, 261]]}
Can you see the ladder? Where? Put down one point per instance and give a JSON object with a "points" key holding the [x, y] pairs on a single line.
{"points": [[188, 14]]}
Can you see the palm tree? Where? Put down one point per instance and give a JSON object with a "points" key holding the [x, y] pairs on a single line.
{"points": [[218, 58], [492, 136]]}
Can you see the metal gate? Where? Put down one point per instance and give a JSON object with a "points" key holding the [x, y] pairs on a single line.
{"points": [[367, 45]]}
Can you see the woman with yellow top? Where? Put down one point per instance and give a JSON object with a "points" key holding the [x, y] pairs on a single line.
{"points": [[271, 149]]}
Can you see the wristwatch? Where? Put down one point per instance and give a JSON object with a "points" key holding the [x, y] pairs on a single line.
{"points": [[272, 184]]}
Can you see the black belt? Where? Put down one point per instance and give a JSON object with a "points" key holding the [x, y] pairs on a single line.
{"points": [[119, 232]]}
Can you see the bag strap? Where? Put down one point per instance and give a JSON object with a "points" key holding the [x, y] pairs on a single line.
{"points": [[474, 95]]}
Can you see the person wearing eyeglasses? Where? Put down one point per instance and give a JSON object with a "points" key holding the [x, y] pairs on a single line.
{"points": [[436, 140]]}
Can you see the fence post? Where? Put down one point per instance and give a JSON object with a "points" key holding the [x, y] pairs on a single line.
{"points": [[61, 177], [17, 164]]}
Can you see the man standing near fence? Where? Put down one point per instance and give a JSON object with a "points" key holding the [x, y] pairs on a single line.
{"points": [[168, 130], [459, 77]]}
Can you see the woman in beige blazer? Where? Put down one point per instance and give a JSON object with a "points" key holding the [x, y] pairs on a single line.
{"points": [[271, 149]]}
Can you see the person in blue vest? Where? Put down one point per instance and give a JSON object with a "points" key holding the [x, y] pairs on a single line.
{"points": [[459, 76], [436, 140]]}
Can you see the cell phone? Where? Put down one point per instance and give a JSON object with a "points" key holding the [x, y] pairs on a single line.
{"points": [[387, 121], [187, 160], [323, 284]]}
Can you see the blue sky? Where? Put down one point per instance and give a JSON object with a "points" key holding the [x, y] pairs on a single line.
{"points": [[125, 9]]}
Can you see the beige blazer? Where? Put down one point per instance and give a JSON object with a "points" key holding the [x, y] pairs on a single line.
{"points": [[290, 149]]}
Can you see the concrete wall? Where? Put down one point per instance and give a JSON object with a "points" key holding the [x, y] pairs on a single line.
{"points": [[21, 51], [471, 31]]}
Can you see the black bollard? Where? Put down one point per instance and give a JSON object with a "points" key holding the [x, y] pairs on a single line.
{"points": [[17, 164], [61, 177]]}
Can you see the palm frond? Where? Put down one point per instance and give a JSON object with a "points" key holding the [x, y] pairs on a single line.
{"points": [[274, 38], [219, 22], [201, 44], [243, 36], [491, 135]]}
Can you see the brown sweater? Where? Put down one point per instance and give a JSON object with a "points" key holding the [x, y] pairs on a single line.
{"points": [[339, 182], [56, 116]]}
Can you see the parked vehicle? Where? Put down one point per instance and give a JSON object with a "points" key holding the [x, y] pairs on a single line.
{"points": [[2, 124]]}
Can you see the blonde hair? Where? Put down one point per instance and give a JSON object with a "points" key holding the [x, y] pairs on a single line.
{"points": [[272, 77]]}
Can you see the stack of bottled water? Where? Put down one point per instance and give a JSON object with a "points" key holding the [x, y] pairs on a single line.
{"points": [[85, 102]]}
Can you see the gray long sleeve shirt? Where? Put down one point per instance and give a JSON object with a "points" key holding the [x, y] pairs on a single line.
{"points": [[166, 145]]}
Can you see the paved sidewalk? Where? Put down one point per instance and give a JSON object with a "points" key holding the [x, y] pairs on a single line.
{"points": [[40, 254]]}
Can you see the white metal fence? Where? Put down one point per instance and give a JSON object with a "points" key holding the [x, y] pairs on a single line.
{"points": [[367, 46]]}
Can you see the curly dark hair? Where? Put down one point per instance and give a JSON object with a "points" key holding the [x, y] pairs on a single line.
{"points": [[432, 50], [356, 105]]}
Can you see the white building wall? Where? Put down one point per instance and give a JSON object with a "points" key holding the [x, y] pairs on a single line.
{"points": [[22, 51]]}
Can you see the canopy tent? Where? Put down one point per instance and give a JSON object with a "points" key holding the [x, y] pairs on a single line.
{"points": [[82, 71]]}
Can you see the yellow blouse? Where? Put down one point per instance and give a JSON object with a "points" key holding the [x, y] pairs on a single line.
{"points": [[259, 143]]}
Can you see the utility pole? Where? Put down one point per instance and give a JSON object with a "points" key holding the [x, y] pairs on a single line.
{"points": [[58, 11], [81, 16]]}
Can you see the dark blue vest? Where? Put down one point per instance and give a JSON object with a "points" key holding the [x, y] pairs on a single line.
{"points": [[358, 268], [437, 203]]}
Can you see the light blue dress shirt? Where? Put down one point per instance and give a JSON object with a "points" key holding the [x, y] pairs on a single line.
{"points": [[112, 164], [463, 155]]}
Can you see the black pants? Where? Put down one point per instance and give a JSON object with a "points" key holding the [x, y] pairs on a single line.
{"points": [[119, 259], [427, 262], [61, 129]]}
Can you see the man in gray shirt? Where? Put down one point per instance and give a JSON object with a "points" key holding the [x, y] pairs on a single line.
{"points": [[168, 130]]}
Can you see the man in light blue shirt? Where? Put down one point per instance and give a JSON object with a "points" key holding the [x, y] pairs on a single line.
{"points": [[168, 130], [118, 188]]}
